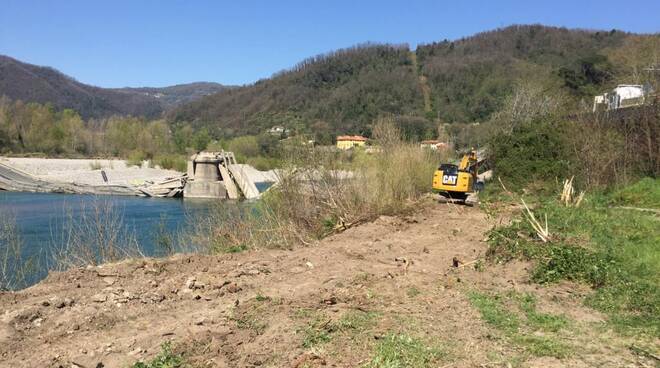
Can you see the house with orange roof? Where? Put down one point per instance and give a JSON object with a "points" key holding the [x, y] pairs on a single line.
{"points": [[346, 142]]}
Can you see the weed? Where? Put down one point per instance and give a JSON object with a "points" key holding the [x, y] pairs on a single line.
{"points": [[356, 321], [166, 359], [16, 269], [320, 329], [541, 321], [542, 346], [494, 313], [317, 332], [520, 330], [261, 298], [95, 165], [250, 317], [413, 292], [404, 351], [163, 238]]}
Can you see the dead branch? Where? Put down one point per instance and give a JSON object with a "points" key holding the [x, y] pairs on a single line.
{"points": [[541, 231]]}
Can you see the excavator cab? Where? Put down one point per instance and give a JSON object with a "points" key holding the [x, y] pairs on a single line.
{"points": [[456, 182]]}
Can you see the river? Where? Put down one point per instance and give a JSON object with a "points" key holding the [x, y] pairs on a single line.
{"points": [[42, 219]]}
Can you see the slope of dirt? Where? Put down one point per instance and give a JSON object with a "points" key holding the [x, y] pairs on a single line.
{"points": [[274, 308]]}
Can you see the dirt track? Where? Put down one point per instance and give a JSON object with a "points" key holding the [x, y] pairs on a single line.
{"points": [[252, 309]]}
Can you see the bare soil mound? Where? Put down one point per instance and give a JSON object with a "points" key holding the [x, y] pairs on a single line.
{"points": [[336, 303]]}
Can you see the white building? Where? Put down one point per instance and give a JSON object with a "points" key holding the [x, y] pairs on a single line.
{"points": [[624, 95]]}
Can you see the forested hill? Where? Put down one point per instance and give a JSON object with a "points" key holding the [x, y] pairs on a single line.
{"points": [[343, 90], [32, 83], [465, 80]]}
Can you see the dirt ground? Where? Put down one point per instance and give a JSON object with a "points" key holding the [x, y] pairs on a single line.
{"points": [[272, 308]]}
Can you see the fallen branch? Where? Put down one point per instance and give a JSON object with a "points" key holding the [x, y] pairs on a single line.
{"points": [[541, 231]]}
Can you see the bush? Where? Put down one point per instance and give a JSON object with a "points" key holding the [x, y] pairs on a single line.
{"points": [[264, 163], [531, 151], [172, 162], [136, 158]]}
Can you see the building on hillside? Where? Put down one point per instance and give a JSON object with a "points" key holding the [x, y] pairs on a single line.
{"points": [[624, 95], [346, 142], [278, 130], [434, 144]]}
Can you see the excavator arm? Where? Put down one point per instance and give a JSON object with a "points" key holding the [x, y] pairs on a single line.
{"points": [[468, 160]]}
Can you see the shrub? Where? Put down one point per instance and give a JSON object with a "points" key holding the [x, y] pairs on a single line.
{"points": [[166, 359], [172, 162], [135, 158], [531, 151]]}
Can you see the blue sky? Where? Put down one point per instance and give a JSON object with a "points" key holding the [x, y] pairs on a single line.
{"points": [[118, 43]]}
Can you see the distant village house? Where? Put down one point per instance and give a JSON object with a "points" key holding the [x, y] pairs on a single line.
{"points": [[346, 142], [278, 130], [624, 95], [434, 145]]}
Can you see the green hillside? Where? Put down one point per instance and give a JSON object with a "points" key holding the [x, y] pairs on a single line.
{"points": [[341, 91], [461, 81]]}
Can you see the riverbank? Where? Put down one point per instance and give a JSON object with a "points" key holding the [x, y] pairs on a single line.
{"points": [[385, 287]]}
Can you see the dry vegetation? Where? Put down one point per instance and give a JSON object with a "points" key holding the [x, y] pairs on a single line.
{"points": [[319, 194]]}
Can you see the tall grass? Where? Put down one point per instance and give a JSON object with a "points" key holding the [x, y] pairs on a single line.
{"points": [[92, 235], [15, 266]]}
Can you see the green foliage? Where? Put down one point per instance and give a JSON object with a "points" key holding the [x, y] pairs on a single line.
{"points": [[540, 321], [340, 92], [404, 351], [520, 329], [645, 193], [172, 162], [166, 359], [494, 313], [587, 75], [201, 139], [136, 158], [613, 250], [531, 151]]}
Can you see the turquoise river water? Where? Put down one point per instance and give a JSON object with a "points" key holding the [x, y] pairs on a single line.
{"points": [[41, 218]]}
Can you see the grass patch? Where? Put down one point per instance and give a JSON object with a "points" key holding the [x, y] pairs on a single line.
{"points": [[521, 325], [494, 313], [644, 193], [252, 315], [165, 359], [320, 329], [541, 321], [413, 292], [404, 351], [613, 250]]}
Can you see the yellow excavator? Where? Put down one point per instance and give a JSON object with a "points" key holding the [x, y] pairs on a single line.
{"points": [[456, 182]]}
